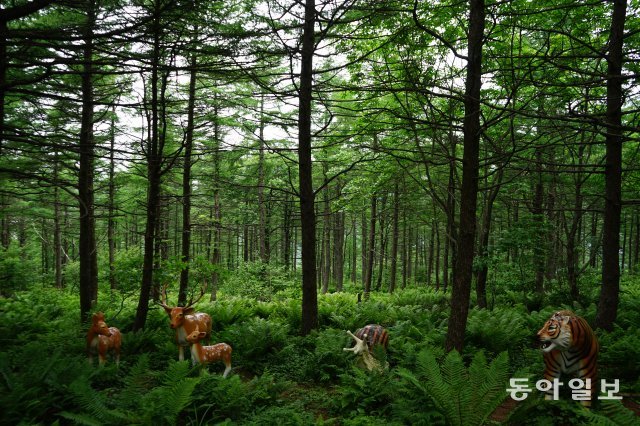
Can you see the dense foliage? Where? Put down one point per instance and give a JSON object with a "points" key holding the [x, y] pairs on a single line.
{"points": [[280, 377], [454, 171]]}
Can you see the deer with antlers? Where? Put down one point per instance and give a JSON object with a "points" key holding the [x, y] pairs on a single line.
{"points": [[203, 355], [102, 338], [184, 320]]}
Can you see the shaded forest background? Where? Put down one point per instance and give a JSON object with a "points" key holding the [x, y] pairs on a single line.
{"points": [[451, 164], [377, 144]]}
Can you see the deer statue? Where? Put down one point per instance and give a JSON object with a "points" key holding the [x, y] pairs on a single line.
{"points": [[184, 320], [101, 338], [203, 355], [367, 338]]}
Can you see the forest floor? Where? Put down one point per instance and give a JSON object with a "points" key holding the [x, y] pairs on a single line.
{"points": [[501, 414]]}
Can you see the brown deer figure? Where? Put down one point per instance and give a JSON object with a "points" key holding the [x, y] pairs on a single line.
{"points": [[102, 338], [207, 354], [184, 320]]}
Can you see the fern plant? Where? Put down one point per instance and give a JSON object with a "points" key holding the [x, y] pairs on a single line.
{"points": [[164, 403], [95, 407], [465, 396], [612, 413], [142, 401]]}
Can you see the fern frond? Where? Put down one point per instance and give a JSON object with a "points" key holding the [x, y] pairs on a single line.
{"points": [[81, 419], [95, 404], [489, 383], [439, 389], [465, 396], [163, 404], [138, 382], [614, 413], [176, 372]]}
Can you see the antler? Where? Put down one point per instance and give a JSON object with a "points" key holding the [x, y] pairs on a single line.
{"points": [[193, 302], [163, 296]]}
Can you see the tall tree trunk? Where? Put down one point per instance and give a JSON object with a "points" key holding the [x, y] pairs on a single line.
{"points": [[403, 254], [88, 255], [450, 237], [538, 251], [5, 236], [432, 242], [307, 196], [186, 186], [636, 247], [217, 217], [262, 212], [394, 238], [3, 83], [383, 244], [469, 190], [338, 243], [553, 241], [573, 230], [364, 249], [481, 283], [111, 222], [368, 274], [57, 239], [326, 236], [437, 258], [154, 174], [593, 242], [354, 249], [286, 229], [609, 294]]}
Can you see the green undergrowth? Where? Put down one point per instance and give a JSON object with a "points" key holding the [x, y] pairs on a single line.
{"points": [[280, 377]]}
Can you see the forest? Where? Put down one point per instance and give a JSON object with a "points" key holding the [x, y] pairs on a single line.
{"points": [[460, 174]]}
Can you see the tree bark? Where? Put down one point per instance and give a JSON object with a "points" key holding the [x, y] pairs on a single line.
{"points": [[469, 190], [383, 244], [338, 243], [368, 274], [216, 215], [262, 208], [57, 239], [354, 249], [538, 251], [186, 186], [326, 236], [154, 175], [609, 293], [88, 255], [394, 238], [481, 283], [111, 223], [307, 196]]}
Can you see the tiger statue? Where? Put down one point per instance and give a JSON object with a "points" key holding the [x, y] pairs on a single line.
{"points": [[569, 346]]}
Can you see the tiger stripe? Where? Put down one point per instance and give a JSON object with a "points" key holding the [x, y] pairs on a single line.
{"points": [[575, 351]]}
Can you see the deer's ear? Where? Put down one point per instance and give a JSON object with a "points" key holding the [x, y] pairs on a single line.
{"points": [[188, 311], [202, 335], [167, 309]]}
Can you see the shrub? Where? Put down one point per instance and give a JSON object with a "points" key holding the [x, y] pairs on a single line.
{"points": [[463, 396], [365, 393], [16, 270], [254, 341]]}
